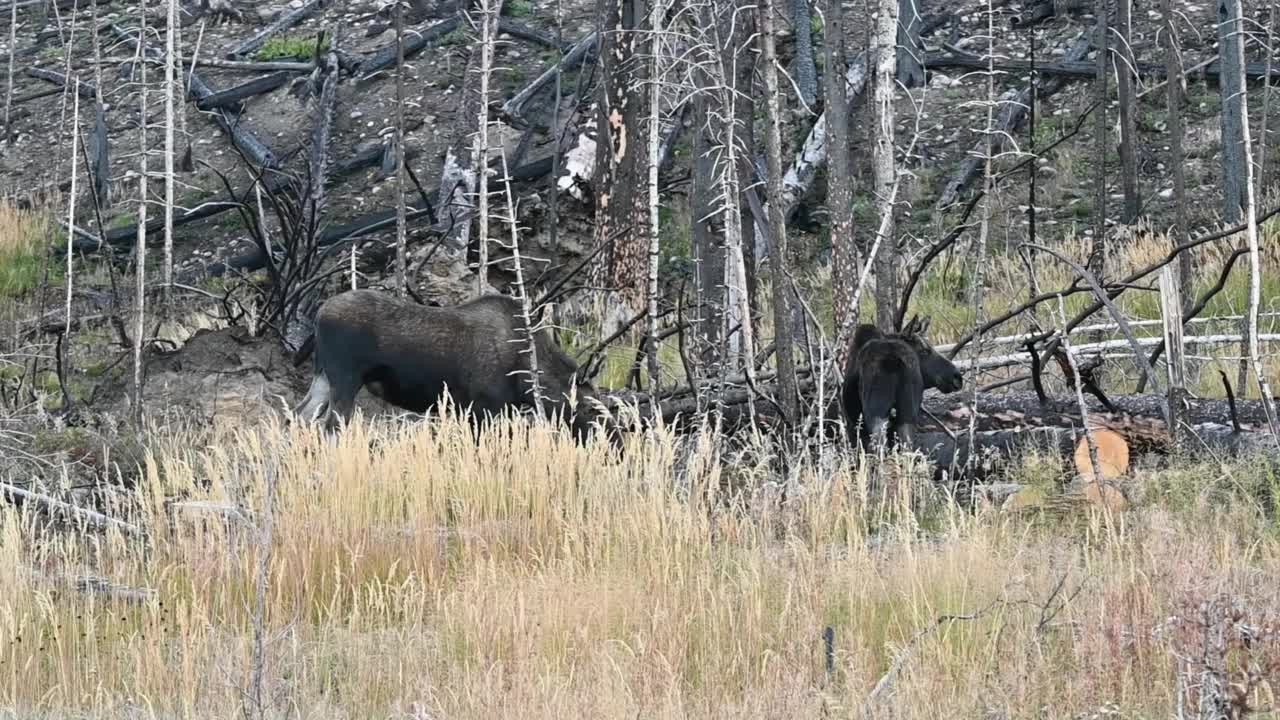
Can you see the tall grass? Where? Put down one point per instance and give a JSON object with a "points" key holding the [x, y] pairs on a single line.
{"points": [[412, 570], [24, 241]]}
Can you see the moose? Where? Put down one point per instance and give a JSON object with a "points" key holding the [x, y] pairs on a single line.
{"points": [[412, 355], [885, 378]]}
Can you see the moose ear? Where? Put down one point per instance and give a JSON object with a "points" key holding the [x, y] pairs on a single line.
{"points": [[910, 327]]}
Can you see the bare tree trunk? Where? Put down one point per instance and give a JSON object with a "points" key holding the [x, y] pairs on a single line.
{"points": [[71, 205], [788, 398], [984, 226], [526, 310], [738, 45], [621, 210], [140, 249], [844, 253], [13, 49], [1247, 326], [1128, 109], [459, 178], [402, 231], [1231, 86], [1098, 249], [910, 69], [706, 229], [1241, 101], [1264, 133], [1173, 70], [803, 69], [480, 151], [170, 87], [729, 127], [655, 159], [883, 165]]}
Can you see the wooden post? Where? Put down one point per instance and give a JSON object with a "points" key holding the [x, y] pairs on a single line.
{"points": [[1171, 314]]}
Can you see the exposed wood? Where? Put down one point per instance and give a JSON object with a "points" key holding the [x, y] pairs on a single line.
{"points": [[284, 22], [1113, 455]]}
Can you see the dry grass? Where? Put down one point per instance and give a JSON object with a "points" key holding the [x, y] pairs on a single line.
{"points": [[24, 239], [411, 571]]}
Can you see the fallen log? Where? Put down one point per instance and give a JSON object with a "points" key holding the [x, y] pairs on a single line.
{"points": [[86, 89], [232, 97], [253, 148], [385, 57], [246, 141], [65, 511], [1081, 69], [284, 22], [1012, 112], [813, 153], [524, 32], [581, 51]]}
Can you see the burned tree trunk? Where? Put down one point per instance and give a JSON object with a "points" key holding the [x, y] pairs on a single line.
{"points": [[910, 68], [803, 68], [780, 280], [739, 58], [621, 210], [844, 252], [1128, 111], [1231, 87], [1098, 251]]}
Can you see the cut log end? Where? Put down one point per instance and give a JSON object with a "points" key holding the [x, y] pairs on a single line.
{"points": [[1113, 455]]}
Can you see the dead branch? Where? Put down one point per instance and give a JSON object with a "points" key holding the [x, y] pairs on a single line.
{"points": [[65, 511]]}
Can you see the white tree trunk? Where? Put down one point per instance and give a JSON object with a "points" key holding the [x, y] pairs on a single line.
{"points": [[1250, 206], [170, 88], [525, 307], [480, 150], [885, 44], [71, 203], [655, 159], [140, 250]]}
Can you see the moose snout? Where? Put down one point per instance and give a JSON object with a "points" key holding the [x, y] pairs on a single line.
{"points": [[954, 382]]}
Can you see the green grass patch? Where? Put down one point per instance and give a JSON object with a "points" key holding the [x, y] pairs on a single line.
{"points": [[24, 238], [290, 46], [518, 8]]}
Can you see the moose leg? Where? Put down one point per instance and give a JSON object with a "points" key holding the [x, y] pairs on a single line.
{"points": [[877, 403], [316, 401], [342, 396], [910, 395]]}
